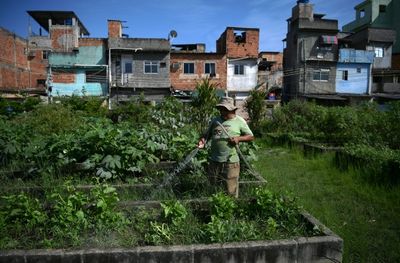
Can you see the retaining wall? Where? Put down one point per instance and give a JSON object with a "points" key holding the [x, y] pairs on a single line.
{"points": [[327, 248]]}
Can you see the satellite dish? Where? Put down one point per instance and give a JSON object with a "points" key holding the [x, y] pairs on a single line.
{"points": [[172, 34]]}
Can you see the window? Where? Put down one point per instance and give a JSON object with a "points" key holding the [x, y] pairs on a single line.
{"points": [[362, 13], [96, 76], [209, 68], [239, 70], [358, 70], [378, 52], [45, 54], [188, 68], [345, 75], [376, 79], [382, 8], [41, 82], [151, 67], [321, 75], [128, 67], [240, 36]]}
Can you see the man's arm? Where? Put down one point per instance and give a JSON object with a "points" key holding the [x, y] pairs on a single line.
{"points": [[243, 138]]}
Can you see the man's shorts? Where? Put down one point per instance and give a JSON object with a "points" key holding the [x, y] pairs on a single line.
{"points": [[226, 175]]}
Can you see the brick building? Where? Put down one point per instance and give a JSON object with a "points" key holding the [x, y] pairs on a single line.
{"points": [[190, 63], [240, 45], [76, 64], [22, 64]]}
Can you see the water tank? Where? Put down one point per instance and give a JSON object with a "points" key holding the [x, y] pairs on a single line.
{"points": [[303, 1]]}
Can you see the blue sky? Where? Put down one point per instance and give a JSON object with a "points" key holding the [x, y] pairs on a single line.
{"points": [[196, 21]]}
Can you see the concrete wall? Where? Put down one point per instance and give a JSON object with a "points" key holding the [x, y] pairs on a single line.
{"points": [[140, 79], [181, 81], [319, 87], [386, 60], [320, 249], [374, 18], [242, 83]]}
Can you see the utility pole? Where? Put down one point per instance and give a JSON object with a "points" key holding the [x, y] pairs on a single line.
{"points": [[305, 67]]}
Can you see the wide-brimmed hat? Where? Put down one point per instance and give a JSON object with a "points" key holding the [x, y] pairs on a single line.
{"points": [[227, 103]]}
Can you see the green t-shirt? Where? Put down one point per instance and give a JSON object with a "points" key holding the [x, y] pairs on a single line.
{"points": [[221, 149]]}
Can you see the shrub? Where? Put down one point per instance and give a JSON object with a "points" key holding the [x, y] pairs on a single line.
{"points": [[256, 108]]}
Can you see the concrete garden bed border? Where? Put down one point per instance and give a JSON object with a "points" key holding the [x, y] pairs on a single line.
{"points": [[326, 248]]}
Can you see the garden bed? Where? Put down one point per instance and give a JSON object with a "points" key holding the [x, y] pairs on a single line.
{"points": [[325, 247]]}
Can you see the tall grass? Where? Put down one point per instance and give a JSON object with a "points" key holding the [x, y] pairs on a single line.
{"points": [[365, 215]]}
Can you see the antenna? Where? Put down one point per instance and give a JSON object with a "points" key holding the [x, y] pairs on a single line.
{"points": [[172, 34]]}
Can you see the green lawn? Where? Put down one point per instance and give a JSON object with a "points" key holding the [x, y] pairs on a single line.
{"points": [[366, 216]]}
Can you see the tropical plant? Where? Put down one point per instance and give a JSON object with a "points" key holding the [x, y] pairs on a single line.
{"points": [[203, 102]]}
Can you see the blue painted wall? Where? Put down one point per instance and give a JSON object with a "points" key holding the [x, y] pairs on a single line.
{"points": [[357, 63], [92, 55], [357, 82], [347, 55], [80, 87], [73, 61]]}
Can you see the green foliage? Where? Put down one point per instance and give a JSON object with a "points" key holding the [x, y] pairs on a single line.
{"points": [[62, 219], [203, 104], [174, 212], [12, 108], [49, 119], [87, 105], [22, 211], [222, 205], [256, 108], [368, 133], [135, 111]]}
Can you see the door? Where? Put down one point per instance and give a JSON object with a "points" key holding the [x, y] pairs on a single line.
{"points": [[127, 68]]}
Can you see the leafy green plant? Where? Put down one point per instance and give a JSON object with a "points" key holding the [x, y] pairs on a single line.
{"points": [[174, 212], [22, 211], [203, 102], [222, 205], [256, 108]]}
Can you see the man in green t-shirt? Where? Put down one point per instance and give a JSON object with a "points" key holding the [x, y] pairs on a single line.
{"points": [[224, 163]]}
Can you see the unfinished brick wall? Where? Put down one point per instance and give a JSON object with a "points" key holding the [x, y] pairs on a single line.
{"points": [[114, 29], [62, 38], [239, 46], [18, 70], [91, 42], [181, 81], [63, 77], [276, 57]]}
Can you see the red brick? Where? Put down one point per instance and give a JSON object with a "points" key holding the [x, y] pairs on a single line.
{"points": [[114, 29], [92, 42], [17, 70], [64, 77], [179, 81], [227, 44]]}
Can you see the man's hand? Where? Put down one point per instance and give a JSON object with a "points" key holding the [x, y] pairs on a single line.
{"points": [[234, 140], [202, 143]]}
